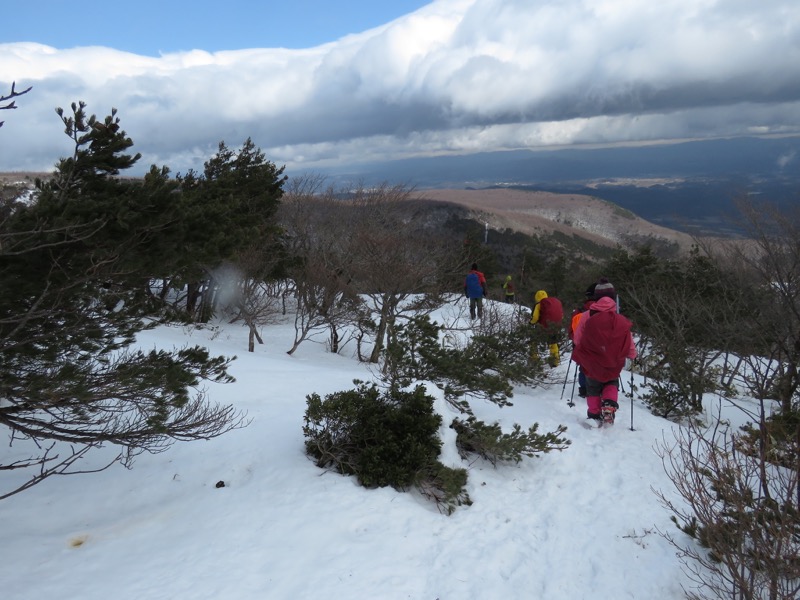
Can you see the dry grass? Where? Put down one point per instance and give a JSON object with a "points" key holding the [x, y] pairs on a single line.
{"points": [[16, 176], [531, 213], [546, 212]]}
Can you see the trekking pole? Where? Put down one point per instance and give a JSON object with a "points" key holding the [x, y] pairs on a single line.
{"points": [[564, 387], [572, 393], [632, 429]]}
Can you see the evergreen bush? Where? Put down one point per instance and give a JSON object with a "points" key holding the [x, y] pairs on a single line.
{"points": [[390, 437], [487, 368], [383, 438], [445, 486], [489, 441]]}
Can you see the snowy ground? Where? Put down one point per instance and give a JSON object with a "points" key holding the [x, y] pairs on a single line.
{"points": [[582, 523]]}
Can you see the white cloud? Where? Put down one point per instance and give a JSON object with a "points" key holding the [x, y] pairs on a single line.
{"points": [[786, 159], [457, 75]]}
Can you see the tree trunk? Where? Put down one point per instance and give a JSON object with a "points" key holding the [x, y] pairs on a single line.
{"points": [[378, 347], [165, 287], [787, 385], [253, 337], [387, 309], [192, 295], [208, 303], [334, 340]]}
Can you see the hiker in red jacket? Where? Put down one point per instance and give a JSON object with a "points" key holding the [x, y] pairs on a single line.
{"points": [[603, 341]]}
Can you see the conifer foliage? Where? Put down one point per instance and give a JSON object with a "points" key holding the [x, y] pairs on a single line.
{"points": [[384, 438], [497, 360], [227, 213], [391, 437], [73, 271], [687, 313]]}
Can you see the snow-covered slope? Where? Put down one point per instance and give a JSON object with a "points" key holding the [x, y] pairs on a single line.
{"points": [[582, 523]]}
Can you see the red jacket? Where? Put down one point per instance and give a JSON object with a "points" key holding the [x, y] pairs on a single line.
{"points": [[603, 341]]}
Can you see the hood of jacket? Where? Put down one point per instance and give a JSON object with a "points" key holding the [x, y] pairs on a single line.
{"points": [[539, 296], [604, 304]]}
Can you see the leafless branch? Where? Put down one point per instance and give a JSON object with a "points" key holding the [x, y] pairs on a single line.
{"points": [[14, 94]]}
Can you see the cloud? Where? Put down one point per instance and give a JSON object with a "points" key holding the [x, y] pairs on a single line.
{"points": [[786, 159], [454, 76]]}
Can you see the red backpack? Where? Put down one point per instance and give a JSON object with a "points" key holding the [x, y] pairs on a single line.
{"points": [[604, 345], [551, 313]]}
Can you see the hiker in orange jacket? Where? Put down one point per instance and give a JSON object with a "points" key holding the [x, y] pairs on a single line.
{"points": [[573, 325]]}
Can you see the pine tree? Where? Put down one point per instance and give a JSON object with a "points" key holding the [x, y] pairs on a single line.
{"points": [[72, 299], [226, 211]]}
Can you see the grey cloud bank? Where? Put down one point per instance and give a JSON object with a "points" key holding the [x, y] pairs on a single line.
{"points": [[456, 76]]}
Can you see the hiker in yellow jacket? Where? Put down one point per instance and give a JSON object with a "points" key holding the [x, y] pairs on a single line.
{"points": [[508, 287], [548, 313]]}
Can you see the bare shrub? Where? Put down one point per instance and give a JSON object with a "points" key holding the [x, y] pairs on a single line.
{"points": [[741, 512]]}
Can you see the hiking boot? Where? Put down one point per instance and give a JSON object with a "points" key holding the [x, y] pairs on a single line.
{"points": [[582, 391], [595, 416], [609, 411]]}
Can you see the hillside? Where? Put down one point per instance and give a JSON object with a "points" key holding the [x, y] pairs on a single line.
{"points": [[542, 213], [528, 212], [582, 523]]}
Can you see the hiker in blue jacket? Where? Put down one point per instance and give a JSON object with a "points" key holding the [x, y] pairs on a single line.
{"points": [[475, 290]]}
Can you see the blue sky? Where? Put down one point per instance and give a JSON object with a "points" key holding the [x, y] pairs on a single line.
{"points": [[150, 27], [326, 84]]}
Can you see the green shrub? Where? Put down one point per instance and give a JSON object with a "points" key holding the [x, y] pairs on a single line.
{"points": [[489, 441], [496, 362], [676, 389], [445, 486], [777, 439], [383, 438], [389, 437]]}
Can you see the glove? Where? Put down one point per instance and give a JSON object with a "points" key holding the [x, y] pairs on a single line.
{"points": [[628, 364]]}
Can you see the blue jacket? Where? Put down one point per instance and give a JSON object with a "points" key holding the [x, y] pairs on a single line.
{"points": [[475, 285]]}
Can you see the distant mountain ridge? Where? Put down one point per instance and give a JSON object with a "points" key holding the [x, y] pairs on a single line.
{"points": [[690, 186], [544, 213]]}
